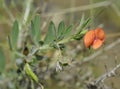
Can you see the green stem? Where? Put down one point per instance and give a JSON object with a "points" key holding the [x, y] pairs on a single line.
{"points": [[27, 11], [65, 40]]}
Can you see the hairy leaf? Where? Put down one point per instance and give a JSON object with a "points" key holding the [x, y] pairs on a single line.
{"points": [[10, 43], [68, 31], [2, 60], [82, 20], [35, 28], [50, 37], [32, 30], [61, 28], [85, 23], [14, 34]]}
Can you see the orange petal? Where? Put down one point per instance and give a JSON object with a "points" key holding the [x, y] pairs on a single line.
{"points": [[100, 33], [89, 38], [97, 43]]}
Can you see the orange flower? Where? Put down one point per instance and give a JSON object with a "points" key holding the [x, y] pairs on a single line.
{"points": [[94, 38]]}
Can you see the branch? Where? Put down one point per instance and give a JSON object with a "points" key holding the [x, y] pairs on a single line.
{"points": [[111, 73], [98, 81], [81, 8], [116, 9]]}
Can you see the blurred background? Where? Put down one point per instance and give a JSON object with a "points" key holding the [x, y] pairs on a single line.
{"points": [[104, 13]]}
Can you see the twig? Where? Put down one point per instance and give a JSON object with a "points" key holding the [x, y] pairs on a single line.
{"points": [[109, 74], [116, 9], [96, 84], [81, 8]]}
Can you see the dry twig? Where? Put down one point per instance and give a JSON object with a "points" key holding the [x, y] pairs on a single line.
{"points": [[81, 8], [96, 84]]}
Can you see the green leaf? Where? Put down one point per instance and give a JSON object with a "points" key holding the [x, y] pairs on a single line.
{"points": [[83, 32], [10, 43], [14, 34], [35, 28], [51, 34], [32, 30], [85, 23], [68, 31], [82, 20], [2, 60], [30, 73], [61, 28], [80, 36]]}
